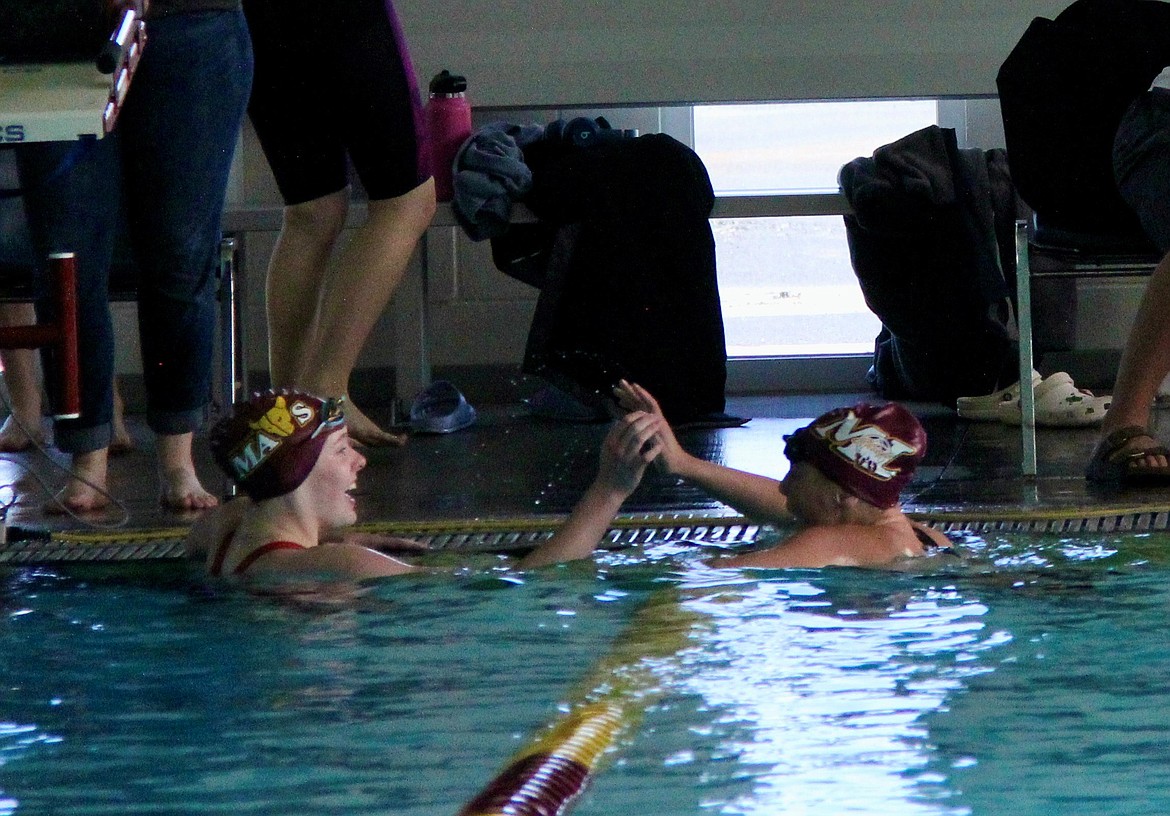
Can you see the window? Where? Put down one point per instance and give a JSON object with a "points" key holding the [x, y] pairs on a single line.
{"points": [[787, 284]]}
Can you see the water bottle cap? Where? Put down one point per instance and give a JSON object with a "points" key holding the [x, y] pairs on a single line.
{"points": [[446, 83]]}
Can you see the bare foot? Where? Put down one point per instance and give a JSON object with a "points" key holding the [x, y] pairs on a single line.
{"points": [[363, 430], [181, 489], [85, 490], [13, 437]]}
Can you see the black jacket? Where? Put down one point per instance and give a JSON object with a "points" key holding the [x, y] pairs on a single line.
{"points": [[629, 288]]}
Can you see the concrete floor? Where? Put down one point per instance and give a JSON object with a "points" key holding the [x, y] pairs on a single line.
{"points": [[511, 464]]}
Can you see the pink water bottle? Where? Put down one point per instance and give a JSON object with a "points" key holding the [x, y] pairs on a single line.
{"points": [[449, 124]]}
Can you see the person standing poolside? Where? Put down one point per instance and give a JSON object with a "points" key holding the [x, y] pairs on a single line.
{"points": [[334, 87], [848, 468], [291, 454], [1129, 452], [167, 162]]}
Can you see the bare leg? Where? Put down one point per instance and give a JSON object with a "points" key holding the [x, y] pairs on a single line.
{"points": [[366, 274], [23, 425], [84, 492], [22, 376], [122, 442], [181, 489], [1145, 362], [296, 278]]}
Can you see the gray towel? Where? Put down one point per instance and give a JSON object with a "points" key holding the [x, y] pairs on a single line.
{"points": [[490, 174]]}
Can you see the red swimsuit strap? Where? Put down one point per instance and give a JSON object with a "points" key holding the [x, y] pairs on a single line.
{"points": [[250, 558], [263, 550], [221, 554]]}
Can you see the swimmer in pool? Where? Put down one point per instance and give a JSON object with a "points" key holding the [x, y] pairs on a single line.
{"points": [[847, 469], [291, 455]]}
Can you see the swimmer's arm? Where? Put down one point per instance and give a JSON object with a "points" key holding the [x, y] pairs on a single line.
{"points": [[629, 446], [758, 497], [581, 532]]}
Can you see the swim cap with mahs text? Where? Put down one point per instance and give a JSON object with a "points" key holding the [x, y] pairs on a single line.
{"points": [[271, 441], [870, 451]]}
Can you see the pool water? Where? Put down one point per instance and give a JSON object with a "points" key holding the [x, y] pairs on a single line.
{"points": [[1033, 680]]}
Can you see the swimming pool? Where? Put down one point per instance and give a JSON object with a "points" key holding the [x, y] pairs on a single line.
{"points": [[1032, 682]]}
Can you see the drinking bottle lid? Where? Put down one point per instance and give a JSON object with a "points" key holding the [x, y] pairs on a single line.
{"points": [[447, 83]]}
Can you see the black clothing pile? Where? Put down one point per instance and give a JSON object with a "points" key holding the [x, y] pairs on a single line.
{"points": [[931, 237], [624, 258]]}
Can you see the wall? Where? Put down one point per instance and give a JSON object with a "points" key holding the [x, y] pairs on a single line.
{"points": [[602, 52]]}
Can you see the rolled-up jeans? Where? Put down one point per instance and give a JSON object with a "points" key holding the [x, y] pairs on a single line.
{"points": [[166, 167]]}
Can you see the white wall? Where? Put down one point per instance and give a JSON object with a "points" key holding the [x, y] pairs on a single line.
{"points": [[600, 52]]}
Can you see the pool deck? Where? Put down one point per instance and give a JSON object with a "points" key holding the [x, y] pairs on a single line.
{"points": [[510, 464]]}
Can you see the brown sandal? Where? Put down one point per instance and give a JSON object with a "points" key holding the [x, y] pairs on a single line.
{"points": [[1111, 463]]}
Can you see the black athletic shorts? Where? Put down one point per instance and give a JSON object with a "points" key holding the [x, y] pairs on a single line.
{"points": [[334, 86]]}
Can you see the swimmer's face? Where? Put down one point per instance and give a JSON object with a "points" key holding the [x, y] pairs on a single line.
{"points": [[812, 498], [333, 479]]}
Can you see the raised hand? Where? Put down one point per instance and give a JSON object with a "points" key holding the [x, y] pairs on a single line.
{"points": [[633, 397], [631, 444]]}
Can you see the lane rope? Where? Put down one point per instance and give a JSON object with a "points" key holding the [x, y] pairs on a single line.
{"points": [[547, 776], [525, 532]]}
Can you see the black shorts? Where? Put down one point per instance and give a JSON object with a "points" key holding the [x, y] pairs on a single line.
{"points": [[333, 83]]}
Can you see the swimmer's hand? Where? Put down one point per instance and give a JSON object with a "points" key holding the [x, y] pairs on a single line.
{"points": [[631, 444], [633, 397]]}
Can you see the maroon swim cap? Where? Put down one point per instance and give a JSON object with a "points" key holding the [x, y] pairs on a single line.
{"points": [[868, 450], [271, 441]]}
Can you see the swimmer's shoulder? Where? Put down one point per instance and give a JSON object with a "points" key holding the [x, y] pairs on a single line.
{"points": [[213, 526]]}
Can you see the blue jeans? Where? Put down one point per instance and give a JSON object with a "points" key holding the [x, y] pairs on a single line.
{"points": [[1141, 162], [166, 167]]}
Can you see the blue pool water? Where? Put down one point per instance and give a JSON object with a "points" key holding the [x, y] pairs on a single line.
{"points": [[1034, 681]]}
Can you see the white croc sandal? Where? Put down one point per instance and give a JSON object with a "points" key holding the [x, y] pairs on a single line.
{"points": [[987, 407], [1060, 404]]}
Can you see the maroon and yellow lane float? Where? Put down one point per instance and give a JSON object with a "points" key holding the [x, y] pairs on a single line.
{"points": [[545, 778]]}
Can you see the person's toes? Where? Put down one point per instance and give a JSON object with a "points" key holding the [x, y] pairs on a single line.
{"points": [[78, 497], [181, 490], [365, 431]]}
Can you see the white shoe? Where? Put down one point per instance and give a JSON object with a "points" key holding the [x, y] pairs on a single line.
{"points": [[987, 408], [1060, 404]]}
